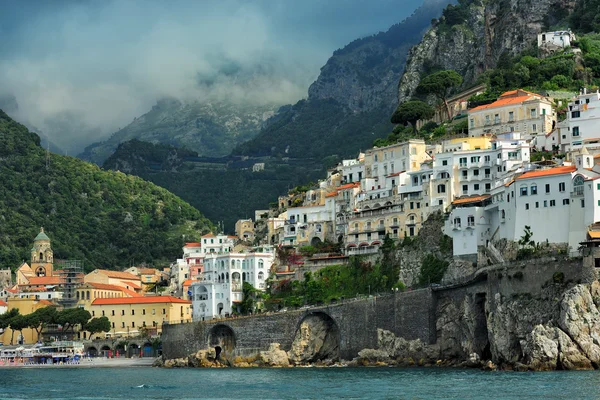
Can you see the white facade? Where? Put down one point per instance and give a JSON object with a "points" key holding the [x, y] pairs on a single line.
{"points": [[560, 39], [220, 287], [583, 118]]}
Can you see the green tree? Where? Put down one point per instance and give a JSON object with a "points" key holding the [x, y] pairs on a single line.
{"points": [[6, 318], [40, 318], [18, 323], [432, 270], [97, 325], [440, 84], [411, 112], [71, 317]]}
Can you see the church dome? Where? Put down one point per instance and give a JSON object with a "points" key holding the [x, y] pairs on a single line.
{"points": [[41, 236]]}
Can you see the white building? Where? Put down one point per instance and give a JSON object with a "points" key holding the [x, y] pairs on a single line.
{"points": [[219, 289], [583, 118], [557, 39]]}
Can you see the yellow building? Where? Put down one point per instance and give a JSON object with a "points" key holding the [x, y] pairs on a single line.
{"points": [[25, 305], [514, 111], [128, 315], [90, 291], [244, 229], [117, 278]]}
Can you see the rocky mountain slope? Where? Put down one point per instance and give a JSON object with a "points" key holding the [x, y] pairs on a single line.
{"points": [[477, 36], [107, 219], [350, 103], [211, 129]]}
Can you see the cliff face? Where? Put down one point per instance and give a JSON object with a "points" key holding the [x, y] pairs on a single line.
{"points": [[493, 29], [211, 129]]}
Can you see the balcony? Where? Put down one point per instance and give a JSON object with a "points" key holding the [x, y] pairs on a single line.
{"points": [[380, 227], [487, 176], [578, 192], [411, 222], [456, 227], [353, 251], [462, 165]]}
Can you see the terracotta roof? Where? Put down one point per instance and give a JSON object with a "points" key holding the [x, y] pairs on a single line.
{"points": [[396, 174], [117, 274], [193, 244], [139, 300], [46, 303], [147, 271], [3, 304], [594, 234], [548, 172], [502, 102], [105, 286], [188, 282], [331, 194], [44, 280], [133, 285], [467, 200], [208, 235], [349, 186]]}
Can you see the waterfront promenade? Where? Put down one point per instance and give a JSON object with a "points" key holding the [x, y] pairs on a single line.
{"points": [[98, 362]]}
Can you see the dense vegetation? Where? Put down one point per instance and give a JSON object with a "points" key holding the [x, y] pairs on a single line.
{"points": [[317, 129], [106, 219]]}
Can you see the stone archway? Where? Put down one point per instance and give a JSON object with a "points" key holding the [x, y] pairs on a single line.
{"points": [[222, 338], [317, 338], [92, 351]]}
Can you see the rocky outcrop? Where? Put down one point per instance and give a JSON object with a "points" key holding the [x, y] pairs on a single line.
{"points": [[315, 340], [274, 357], [493, 29]]}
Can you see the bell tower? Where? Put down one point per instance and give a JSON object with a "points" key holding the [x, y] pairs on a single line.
{"points": [[42, 258]]}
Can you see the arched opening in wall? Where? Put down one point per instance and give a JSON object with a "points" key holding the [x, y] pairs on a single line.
{"points": [[317, 338], [133, 350], [222, 339], [147, 350], [481, 342], [315, 241], [92, 351]]}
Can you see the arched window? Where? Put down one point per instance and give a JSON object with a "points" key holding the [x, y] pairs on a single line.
{"points": [[503, 214], [232, 264], [578, 185], [87, 295], [238, 263], [41, 256], [261, 264], [533, 189], [261, 275]]}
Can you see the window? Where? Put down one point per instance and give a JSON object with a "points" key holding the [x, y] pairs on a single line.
{"points": [[413, 151], [132, 324], [103, 313], [545, 203], [561, 187], [476, 172], [533, 189], [511, 116], [444, 162], [463, 161], [575, 114], [418, 204], [113, 313], [123, 324], [524, 191], [113, 325], [457, 222], [547, 188], [464, 174], [476, 186], [552, 203], [475, 159], [533, 127], [144, 311], [472, 123], [537, 204], [533, 113], [597, 185], [582, 203], [488, 187], [471, 220], [122, 312], [93, 313], [527, 206], [153, 311], [465, 188], [565, 202], [441, 188], [575, 131], [164, 311]]}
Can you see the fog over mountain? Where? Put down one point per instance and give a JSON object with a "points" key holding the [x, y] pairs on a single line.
{"points": [[79, 70]]}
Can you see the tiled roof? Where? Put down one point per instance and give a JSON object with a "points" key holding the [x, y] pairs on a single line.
{"points": [[474, 199], [188, 282], [208, 235], [46, 303], [147, 271], [139, 300], [548, 172], [133, 285], [331, 194], [118, 274], [3, 304], [44, 280], [349, 186], [193, 244], [503, 102], [105, 286], [396, 174]]}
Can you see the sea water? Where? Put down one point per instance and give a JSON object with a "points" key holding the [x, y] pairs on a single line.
{"points": [[297, 383]]}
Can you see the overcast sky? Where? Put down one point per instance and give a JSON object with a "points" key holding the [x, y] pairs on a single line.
{"points": [[81, 69]]}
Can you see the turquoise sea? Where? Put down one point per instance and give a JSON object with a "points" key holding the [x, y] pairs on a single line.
{"points": [[298, 383]]}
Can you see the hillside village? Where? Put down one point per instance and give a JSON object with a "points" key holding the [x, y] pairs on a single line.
{"points": [[521, 181]]}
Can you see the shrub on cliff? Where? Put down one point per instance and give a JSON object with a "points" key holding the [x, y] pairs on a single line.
{"points": [[432, 270]]}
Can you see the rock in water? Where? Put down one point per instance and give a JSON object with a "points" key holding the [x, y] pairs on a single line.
{"points": [[275, 357]]}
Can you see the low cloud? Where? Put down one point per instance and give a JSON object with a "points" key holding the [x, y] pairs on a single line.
{"points": [[80, 70]]}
